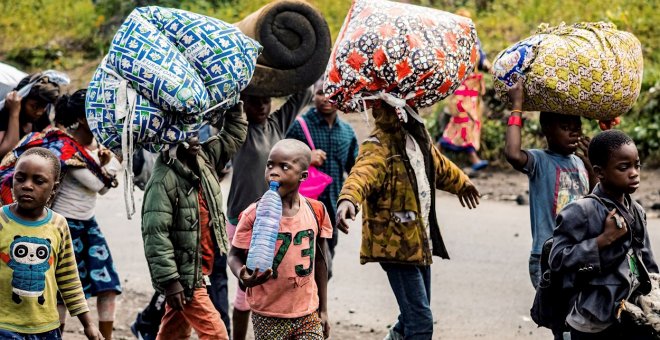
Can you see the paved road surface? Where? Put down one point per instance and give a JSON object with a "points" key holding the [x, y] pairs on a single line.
{"points": [[483, 292]]}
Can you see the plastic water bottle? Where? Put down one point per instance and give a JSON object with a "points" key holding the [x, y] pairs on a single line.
{"points": [[265, 229]]}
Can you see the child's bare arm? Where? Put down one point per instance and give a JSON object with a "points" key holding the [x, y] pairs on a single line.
{"points": [[512, 148], [321, 278], [10, 137], [236, 260], [91, 332]]}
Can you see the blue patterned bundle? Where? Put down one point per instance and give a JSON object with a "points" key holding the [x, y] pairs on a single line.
{"points": [[107, 124], [141, 54], [223, 57], [164, 69]]}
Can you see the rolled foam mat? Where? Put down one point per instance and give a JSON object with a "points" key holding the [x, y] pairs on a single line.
{"points": [[296, 42]]}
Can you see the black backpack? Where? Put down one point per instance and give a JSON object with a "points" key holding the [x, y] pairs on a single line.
{"points": [[551, 302]]}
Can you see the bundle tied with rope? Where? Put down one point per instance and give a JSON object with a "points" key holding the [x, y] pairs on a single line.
{"points": [[587, 69], [168, 73]]}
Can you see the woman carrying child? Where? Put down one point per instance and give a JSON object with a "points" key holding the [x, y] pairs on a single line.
{"points": [[76, 201]]}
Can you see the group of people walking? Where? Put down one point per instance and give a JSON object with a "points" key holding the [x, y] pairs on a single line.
{"points": [[55, 257]]}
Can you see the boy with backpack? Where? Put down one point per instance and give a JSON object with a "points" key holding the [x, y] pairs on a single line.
{"points": [[289, 300], [601, 247]]}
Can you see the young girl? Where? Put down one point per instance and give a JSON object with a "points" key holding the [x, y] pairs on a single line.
{"points": [[37, 256], [22, 115], [76, 201]]}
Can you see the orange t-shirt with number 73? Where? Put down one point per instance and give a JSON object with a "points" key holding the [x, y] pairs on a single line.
{"points": [[291, 292]]}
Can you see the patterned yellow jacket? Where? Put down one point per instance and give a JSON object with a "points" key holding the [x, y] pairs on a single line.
{"points": [[384, 181]]}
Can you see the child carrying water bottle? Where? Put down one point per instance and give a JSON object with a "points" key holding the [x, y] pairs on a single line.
{"points": [[265, 230], [287, 293]]}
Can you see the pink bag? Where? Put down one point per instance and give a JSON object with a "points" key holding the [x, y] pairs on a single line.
{"points": [[317, 181]]}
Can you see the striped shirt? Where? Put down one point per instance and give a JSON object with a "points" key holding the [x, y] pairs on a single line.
{"points": [[36, 262], [341, 148]]}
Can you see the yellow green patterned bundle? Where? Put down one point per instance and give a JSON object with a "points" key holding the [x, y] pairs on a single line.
{"points": [[587, 69]]}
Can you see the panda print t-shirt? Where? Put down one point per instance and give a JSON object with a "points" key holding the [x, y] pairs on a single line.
{"points": [[36, 261]]}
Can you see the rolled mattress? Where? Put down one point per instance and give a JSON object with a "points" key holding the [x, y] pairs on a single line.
{"points": [[296, 47]]}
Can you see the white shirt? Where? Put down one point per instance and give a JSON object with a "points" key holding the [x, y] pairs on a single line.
{"points": [[424, 192], [76, 197]]}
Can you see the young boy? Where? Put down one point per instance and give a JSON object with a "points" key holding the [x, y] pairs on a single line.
{"points": [[264, 130], [183, 225], [289, 301], [601, 244], [557, 175], [395, 177], [37, 256], [336, 150]]}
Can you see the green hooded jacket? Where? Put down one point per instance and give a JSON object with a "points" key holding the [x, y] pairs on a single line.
{"points": [[170, 212]]}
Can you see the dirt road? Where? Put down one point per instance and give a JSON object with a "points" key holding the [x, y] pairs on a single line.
{"points": [[482, 292]]}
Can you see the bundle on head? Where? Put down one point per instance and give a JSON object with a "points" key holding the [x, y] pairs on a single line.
{"points": [[42, 89], [296, 42]]}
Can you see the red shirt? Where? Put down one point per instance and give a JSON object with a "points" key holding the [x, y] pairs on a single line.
{"points": [[206, 238]]}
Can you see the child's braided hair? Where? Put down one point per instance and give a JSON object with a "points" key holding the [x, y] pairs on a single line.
{"points": [[70, 108]]}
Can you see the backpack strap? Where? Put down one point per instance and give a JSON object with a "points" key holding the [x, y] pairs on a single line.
{"points": [[319, 211], [319, 215]]}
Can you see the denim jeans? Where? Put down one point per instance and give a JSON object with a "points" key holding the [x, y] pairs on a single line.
{"points": [[411, 285], [50, 335], [535, 269]]}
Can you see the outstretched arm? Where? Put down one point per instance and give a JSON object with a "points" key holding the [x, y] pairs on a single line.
{"points": [[450, 178], [367, 175]]}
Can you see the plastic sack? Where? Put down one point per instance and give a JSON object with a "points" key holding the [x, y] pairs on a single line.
{"points": [[219, 52], [110, 101], [107, 106], [401, 53], [143, 55], [9, 78], [586, 69]]}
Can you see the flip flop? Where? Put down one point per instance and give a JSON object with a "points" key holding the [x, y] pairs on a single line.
{"points": [[480, 165]]}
